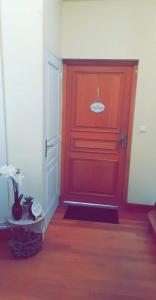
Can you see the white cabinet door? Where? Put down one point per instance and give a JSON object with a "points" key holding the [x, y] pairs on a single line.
{"points": [[52, 133]]}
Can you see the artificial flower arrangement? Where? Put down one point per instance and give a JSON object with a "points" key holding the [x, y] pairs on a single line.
{"points": [[16, 178], [25, 242], [29, 207]]}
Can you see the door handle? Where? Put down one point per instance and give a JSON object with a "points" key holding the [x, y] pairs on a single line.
{"points": [[123, 140], [47, 147], [50, 146]]}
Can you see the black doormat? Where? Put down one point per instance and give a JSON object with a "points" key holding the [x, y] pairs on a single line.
{"points": [[96, 214]]}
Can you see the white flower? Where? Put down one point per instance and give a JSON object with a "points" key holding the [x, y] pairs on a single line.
{"points": [[11, 172], [8, 171], [18, 178]]}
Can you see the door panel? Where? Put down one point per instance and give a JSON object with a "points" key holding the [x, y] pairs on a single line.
{"points": [[110, 88], [94, 159], [101, 176], [93, 145]]}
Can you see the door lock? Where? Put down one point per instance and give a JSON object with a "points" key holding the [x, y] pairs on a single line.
{"points": [[123, 140]]}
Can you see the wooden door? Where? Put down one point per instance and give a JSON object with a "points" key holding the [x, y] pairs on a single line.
{"points": [[97, 121], [52, 133]]}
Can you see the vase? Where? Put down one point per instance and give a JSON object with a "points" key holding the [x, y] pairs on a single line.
{"points": [[17, 210]]}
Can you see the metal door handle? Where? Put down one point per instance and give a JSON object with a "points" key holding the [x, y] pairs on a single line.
{"points": [[123, 140], [50, 146], [47, 147]]}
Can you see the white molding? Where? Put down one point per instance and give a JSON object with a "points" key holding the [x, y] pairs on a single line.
{"points": [[142, 203]]}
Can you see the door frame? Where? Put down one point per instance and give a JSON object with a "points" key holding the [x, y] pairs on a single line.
{"points": [[99, 62], [3, 155], [50, 58]]}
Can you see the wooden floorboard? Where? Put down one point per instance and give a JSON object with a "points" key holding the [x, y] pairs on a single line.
{"points": [[85, 261]]}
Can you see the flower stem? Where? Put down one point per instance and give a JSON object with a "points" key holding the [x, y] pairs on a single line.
{"points": [[15, 189]]}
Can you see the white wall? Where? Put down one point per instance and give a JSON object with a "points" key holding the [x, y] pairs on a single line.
{"points": [[52, 24], [22, 38], [28, 28], [120, 29]]}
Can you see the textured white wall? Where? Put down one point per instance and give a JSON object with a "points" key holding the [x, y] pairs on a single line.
{"points": [[120, 29], [22, 38]]}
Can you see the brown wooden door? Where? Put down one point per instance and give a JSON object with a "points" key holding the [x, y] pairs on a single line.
{"points": [[95, 156]]}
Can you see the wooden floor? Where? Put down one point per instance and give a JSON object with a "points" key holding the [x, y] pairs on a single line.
{"points": [[85, 261]]}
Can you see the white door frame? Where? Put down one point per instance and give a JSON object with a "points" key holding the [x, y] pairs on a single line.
{"points": [[50, 58], [3, 157]]}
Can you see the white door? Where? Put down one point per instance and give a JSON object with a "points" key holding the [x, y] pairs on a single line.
{"points": [[3, 185], [52, 133]]}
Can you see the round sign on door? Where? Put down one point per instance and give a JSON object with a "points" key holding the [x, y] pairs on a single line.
{"points": [[97, 107]]}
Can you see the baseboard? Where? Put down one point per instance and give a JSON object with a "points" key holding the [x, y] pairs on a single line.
{"points": [[142, 203], [138, 207]]}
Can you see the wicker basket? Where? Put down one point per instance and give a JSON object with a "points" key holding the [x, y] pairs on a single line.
{"points": [[28, 245]]}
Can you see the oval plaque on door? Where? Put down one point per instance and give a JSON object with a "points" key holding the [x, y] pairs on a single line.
{"points": [[97, 107]]}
